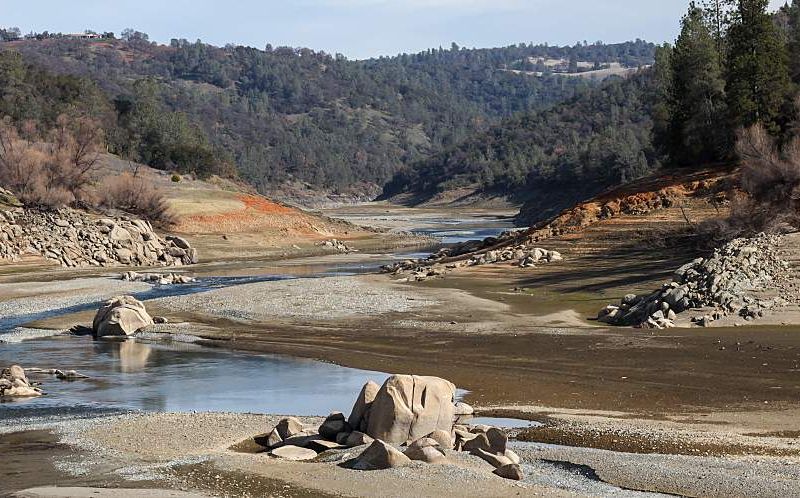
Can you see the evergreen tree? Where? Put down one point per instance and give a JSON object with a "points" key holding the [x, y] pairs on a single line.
{"points": [[662, 109], [696, 96], [794, 40], [717, 14], [757, 68]]}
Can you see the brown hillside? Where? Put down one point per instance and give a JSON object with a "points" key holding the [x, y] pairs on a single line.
{"points": [[692, 196]]}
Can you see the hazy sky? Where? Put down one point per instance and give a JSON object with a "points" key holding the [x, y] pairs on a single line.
{"points": [[360, 28]]}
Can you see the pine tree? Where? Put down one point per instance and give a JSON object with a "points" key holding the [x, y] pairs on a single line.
{"points": [[662, 107], [697, 95], [757, 79], [717, 14]]}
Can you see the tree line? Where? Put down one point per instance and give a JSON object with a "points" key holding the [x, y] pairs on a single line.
{"points": [[734, 65]]}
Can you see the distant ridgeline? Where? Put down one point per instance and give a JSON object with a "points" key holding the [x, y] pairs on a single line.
{"points": [[285, 114]]}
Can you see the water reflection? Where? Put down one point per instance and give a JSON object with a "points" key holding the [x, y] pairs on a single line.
{"points": [[182, 377], [133, 356]]}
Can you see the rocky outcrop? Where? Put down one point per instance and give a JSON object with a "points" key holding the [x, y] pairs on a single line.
{"points": [[157, 278], [74, 239], [336, 245], [409, 418], [452, 258], [121, 316], [14, 384], [723, 283]]}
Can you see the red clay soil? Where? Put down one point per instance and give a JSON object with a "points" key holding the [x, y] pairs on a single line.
{"points": [[641, 197], [258, 215], [263, 205]]}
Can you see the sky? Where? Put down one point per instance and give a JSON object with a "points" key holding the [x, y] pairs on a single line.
{"points": [[360, 28]]}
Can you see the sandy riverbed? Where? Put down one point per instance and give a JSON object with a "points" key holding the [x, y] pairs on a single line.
{"points": [[193, 452]]}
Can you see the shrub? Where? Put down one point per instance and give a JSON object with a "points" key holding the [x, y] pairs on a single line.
{"points": [[770, 183], [49, 173], [176, 178], [135, 195]]}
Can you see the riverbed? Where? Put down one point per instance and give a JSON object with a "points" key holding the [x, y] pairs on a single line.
{"points": [[151, 374]]}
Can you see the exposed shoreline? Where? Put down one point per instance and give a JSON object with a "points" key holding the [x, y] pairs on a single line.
{"points": [[519, 341], [192, 452]]}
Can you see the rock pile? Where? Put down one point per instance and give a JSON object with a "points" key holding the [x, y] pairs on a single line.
{"points": [[409, 418], [14, 384], [444, 261], [60, 374], [121, 316], [720, 282], [157, 278], [337, 245], [75, 239]]}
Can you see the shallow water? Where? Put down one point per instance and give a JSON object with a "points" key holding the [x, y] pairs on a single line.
{"points": [[457, 231], [179, 377], [183, 377]]}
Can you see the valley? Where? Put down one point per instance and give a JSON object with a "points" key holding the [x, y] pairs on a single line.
{"points": [[240, 269], [486, 329]]}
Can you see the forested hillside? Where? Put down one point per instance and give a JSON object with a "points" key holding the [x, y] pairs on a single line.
{"points": [[734, 66], [295, 114], [601, 138]]}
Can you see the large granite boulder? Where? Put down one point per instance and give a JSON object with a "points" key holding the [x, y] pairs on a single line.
{"points": [[121, 316], [409, 407]]}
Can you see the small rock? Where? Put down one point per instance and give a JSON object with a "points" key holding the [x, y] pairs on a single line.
{"points": [[428, 454], [511, 471], [357, 438], [462, 408], [289, 427], [380, 455], [295, 453], [333, 425]]}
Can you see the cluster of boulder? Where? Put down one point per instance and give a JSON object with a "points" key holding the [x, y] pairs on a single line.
{"points": [[336, 245], [442, 262], [74, 239], [14, 384], [157, 278], [720, 282], [408, 418]]}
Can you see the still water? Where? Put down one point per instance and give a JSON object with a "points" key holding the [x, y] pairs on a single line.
{"points": [[136, 375]]}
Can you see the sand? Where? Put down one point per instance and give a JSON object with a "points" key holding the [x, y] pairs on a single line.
{"points": [[192, 452]]}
